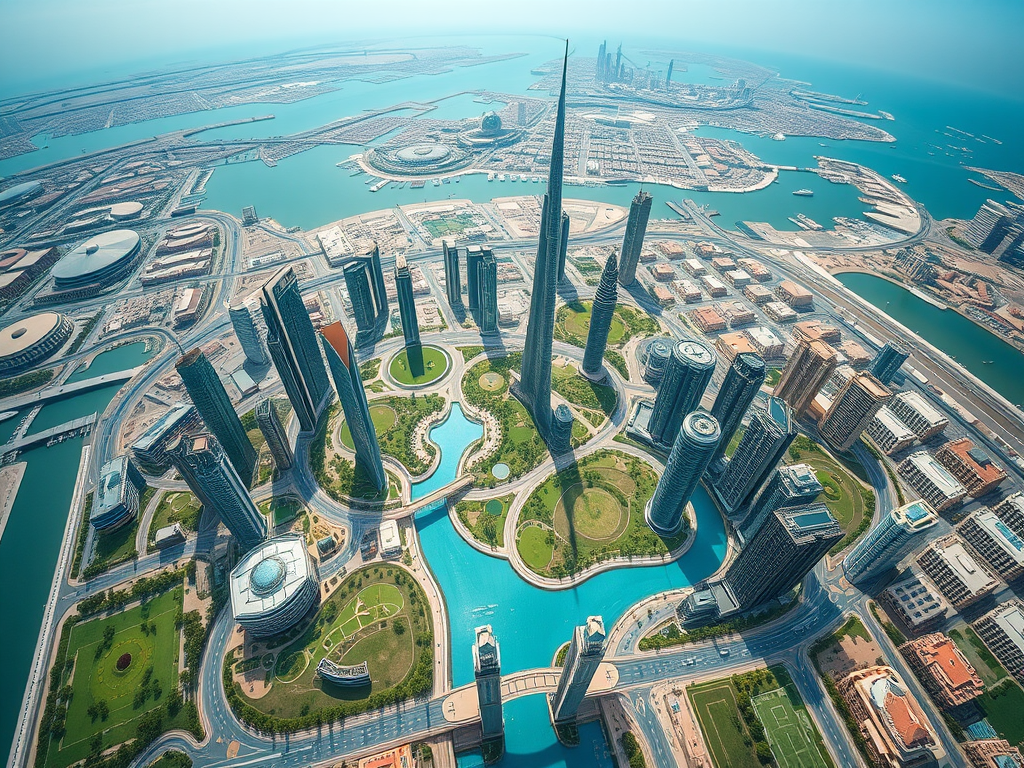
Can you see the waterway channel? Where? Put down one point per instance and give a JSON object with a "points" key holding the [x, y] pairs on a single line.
{"points": [[452, 436]]}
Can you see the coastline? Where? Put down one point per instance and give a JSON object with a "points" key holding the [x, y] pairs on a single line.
{"points": [[10, 482]]}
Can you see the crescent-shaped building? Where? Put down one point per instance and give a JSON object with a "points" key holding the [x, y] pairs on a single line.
{"points": [[274, 585]]}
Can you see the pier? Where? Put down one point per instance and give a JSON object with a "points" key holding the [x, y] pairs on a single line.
{"points": [[81, 424]]}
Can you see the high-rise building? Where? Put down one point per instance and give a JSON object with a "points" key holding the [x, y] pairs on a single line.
{"points": [[668, 77], [214, 406], [764, 443], [117, 495], [474, 255], [888, 361], [892, 539], [487, 279], [787, 487], [633, 242], [341, 358], [852, 410], [364, 279], [452, 279], [601, 313], [210, 476], [808, 368], [742, 383], [686, 377], [690, 456], [586, 650], [487, 672], [293, 347], [563, 247], [788, 545], [989, 226], [248, 333], [274, 433], [534, 386], [407, 310]]}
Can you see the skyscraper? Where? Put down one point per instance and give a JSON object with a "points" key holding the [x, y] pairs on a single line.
{"points": [[274, 433], [248, 334], [364, 279], [452, 279], [342, 360], [808, 368], [410, 323], [668, 77], [601, 314], [787, 487], [487, 672], [487, 279], [293, 347], [888, 361], [768, 436], [474, 255], [563, 246], [210, 476], [691, 453], [892, 539], [534, 386], [633, 242], [786, 548], [852, 410], [586, 650], [214, 406], [686, 377], [742, 383]]}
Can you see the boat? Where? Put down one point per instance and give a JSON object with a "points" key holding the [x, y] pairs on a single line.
{"points": [[536, 179], [804, 193], [379, 185], [900, 179], [501, 177], [417, 184], [987, 362], [490, 176], [513, 177], [436, 182]]}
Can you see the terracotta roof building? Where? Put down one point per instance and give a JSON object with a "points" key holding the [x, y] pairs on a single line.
{"points": [[971, 465], [943, 669]]}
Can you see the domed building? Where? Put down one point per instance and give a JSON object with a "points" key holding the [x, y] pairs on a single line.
{"points": [[274, 586], [490, 124], [100, 260], [423, 158], [489, 133], [32, 340], [19, 193]]}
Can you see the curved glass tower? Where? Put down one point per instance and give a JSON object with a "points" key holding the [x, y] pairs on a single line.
{"points": [[601, 317], [691, 454], [889, 541], [741, 385], [686, 377]]}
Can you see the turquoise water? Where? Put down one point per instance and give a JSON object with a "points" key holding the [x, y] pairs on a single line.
{"points": [[59, 411], [452, 437], [948, 330], [8, 427], [113, 360]]}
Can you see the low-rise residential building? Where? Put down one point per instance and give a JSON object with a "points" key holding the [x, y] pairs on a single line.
{"points": [[715, 288], [757, 293], [737, 313], [689, 291], [943, 669], [932, 480], [958, 575], [663, 273], [811, 330], [794, 295], [889, 433], [663, 295], [993, 539], [731, 344], [971, 465], [768, 344], [856, 356], [722, 264], [915, 602], [738, 278], [708, 319], [756, 269], [1002, 631], [779, 312], [917, 413], [695, 268]]}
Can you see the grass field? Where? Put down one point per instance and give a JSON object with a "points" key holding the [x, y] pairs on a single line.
{"points": [[435, 365], [395, 419], [128, 694], [1003, 705], [175, 507], [718, 715], [790, 731], [534, 547], [282, 509], [572, 323], [486, 520], [383, 418]]}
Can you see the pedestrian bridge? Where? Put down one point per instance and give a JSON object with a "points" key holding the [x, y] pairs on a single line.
{"points": [[67, 390]]}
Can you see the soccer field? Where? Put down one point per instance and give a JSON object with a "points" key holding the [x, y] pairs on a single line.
{"points": [[790, 733]]}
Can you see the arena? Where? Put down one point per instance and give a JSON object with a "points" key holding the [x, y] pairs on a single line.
{"points": [[102, 260], [30, 341]]}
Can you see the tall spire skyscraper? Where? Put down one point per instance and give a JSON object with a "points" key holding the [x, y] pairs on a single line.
{"points": [[534, 387], [407, 309], [601, 314], [633, 240]]}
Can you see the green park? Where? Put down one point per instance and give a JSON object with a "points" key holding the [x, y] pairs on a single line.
{"points": [[339, 476], [435, 366], [395, 419], [486, 519], [180, 507]]}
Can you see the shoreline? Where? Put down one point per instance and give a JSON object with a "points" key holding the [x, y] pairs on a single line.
{"points": [[10, 482]]}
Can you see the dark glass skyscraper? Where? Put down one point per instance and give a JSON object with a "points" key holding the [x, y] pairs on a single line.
{"points": [[452, 279], [888, 361], [764, 443], [247, 333], [487, 279], [364, 279], [601, 314], [474, 255], [534, 387], [686, 377], [214, 406], [487, 673], [586, 650], [787, 487], [293, 347], [210, 476], [633, 242], [563, 247], [274, 433], [410, 323], [341, 358], [742, 383], [786, 548], [691, 453]]}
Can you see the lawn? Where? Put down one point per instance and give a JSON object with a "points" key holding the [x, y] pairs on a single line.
{"points": [[146, 632], [580, 391], [395, 419], [715, 706], [435, 365], [572, 324], [175, 507], [593, 511], [337, 475], [282, 509], [1003, 705], [378, 615], [486, 519], [383, 418]]}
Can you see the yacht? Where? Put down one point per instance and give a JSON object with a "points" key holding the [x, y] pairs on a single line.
{"points": [[804, 193], [490, 176], [900, 179]]}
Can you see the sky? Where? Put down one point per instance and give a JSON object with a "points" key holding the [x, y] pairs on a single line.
{"points": [[972, 43]]}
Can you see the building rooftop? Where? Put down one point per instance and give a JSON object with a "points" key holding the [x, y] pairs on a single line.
{"points": [[998, 530], [889, 420], [872, 386], [977, 459], [916, 516], [922, 406], [25, 334], [972, 573], [161, 425], [929, 466], [270, 574], [1010, 619], [96, 254]]}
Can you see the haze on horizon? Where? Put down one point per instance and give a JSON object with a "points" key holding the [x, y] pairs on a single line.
{"points": [[57, 43]]}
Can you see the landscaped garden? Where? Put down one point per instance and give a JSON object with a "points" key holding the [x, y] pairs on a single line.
{"points": [[590, 512], [572, 324], [595, 401], [486, 519], [282, 509], [180, 507], [1003, 700], [395, 419], [340, 478], [114, 547], [379, 615], [435, 365]]}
